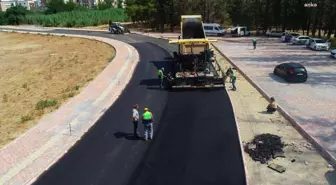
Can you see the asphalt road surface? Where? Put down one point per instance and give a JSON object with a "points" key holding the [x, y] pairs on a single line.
{"points": [[195, 139]]}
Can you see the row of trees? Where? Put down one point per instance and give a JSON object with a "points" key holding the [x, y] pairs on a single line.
{"points": [[278, 14]]}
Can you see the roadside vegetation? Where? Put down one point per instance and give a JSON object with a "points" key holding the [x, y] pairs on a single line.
{"points": [[40, 73], [60, 14], [262, 14]]}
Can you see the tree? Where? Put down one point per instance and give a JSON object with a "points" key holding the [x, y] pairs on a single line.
{"points": [[15, 15]]}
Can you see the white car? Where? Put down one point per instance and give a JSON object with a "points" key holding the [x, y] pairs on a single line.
{"points": [[274, 33], [288, 36], [300, 40], [317, 44], [213, 29], [333, 53]]}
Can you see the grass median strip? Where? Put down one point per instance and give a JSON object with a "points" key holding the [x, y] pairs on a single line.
{"points": [[39, 73]]}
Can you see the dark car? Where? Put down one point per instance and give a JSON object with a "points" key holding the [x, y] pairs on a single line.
{"points": [[291, 72]]}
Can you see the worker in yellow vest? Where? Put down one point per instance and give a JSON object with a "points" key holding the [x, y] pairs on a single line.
{"points": [[161, 76], [147, 120]]}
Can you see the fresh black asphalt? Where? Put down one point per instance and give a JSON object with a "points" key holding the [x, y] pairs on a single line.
{"points": [[195, 140]]}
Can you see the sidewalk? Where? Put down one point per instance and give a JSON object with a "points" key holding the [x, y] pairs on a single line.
{"points": [[27, 157]]}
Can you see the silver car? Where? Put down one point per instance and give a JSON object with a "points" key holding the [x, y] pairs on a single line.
{"points": [[300, 40], [333, 53], [317, 44]]}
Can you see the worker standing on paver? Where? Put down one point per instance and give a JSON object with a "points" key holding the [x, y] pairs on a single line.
{"points": [[233, 78], [147, 120], [254, 43], [161, 75], [135, 120]]}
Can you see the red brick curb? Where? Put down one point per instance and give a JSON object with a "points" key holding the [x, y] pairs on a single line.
{"points": [[324, 153], [31, 154]]}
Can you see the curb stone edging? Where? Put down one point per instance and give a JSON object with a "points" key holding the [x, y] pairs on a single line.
{"points": [[132, 65], [323, 152]]}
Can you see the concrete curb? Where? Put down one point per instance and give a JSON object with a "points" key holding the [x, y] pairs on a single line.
{"points": [[104, 107], [324, 153]]}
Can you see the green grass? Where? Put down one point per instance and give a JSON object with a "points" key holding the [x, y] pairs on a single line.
{"points": [[26, 118], [45, 103], [77, 18]]}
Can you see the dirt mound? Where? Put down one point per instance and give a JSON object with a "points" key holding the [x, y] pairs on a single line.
{"points": [[264, 147]]}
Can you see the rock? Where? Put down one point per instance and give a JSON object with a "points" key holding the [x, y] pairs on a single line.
{"points": [[279, 154], [330, 166], [277, 167], [306, 162], [293, 160]]}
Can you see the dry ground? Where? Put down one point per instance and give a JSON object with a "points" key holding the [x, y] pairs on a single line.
{"points": [[35, 68], [309, 167]]}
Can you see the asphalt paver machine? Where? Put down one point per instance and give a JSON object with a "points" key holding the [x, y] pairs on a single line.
{"points": [[194, 64]]}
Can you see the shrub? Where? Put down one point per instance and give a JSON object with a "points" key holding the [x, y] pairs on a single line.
{"points": [[15, 15], [77, 18], [45, 103], [2, 18], [25, 118]]}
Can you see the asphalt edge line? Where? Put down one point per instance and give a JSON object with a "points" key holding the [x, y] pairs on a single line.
{"points": [[323, 152], [128, 77], [234, 115]]}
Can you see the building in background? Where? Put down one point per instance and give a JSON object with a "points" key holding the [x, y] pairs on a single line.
{"points": [[5, 4], [30, 4]]}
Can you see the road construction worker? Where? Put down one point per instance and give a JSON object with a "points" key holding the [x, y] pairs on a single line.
{"points": [[254, 43], [135, 119], [233, 78], [272, 107], [147, 120], [161, 76]]}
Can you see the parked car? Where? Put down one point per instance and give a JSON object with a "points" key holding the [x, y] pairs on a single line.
{"points": [[291, 72], [116, 28], [317, 44], [213, 29], [333, 53], [240, 31], [274, 33], [300, 40], [288, 36]]}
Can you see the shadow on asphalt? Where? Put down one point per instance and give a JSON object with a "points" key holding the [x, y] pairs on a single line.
{"points": [[331, 177], [277, 78], [264, 112], [128, 136]]}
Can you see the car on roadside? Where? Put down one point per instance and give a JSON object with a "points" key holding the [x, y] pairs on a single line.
{"points": [[317, 44], [291, 72], [333, 53], [300, 40], [288, 36], [274, 33]]}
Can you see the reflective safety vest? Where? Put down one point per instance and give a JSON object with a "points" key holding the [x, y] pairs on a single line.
{"points": [[147, 115], [160, 73]]}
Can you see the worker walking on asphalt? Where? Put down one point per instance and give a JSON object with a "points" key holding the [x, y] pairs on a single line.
{"points": [[147, 120], [254, 43], [161, 75], [135, 120], [233, 78]]}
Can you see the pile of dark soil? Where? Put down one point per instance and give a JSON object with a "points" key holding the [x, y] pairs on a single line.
{"points": [[264, 147]]}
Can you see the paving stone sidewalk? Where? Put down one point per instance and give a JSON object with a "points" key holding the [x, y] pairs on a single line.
{"points": [[311, 104], [23, 160]]}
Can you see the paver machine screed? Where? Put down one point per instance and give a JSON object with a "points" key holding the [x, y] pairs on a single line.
{"points": [[194, 65]]}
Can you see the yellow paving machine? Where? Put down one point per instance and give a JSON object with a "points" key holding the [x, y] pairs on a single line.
{"points": [[194, 64]]}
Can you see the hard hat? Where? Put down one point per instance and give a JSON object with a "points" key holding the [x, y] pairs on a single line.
{"points": [[146, 109]]}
